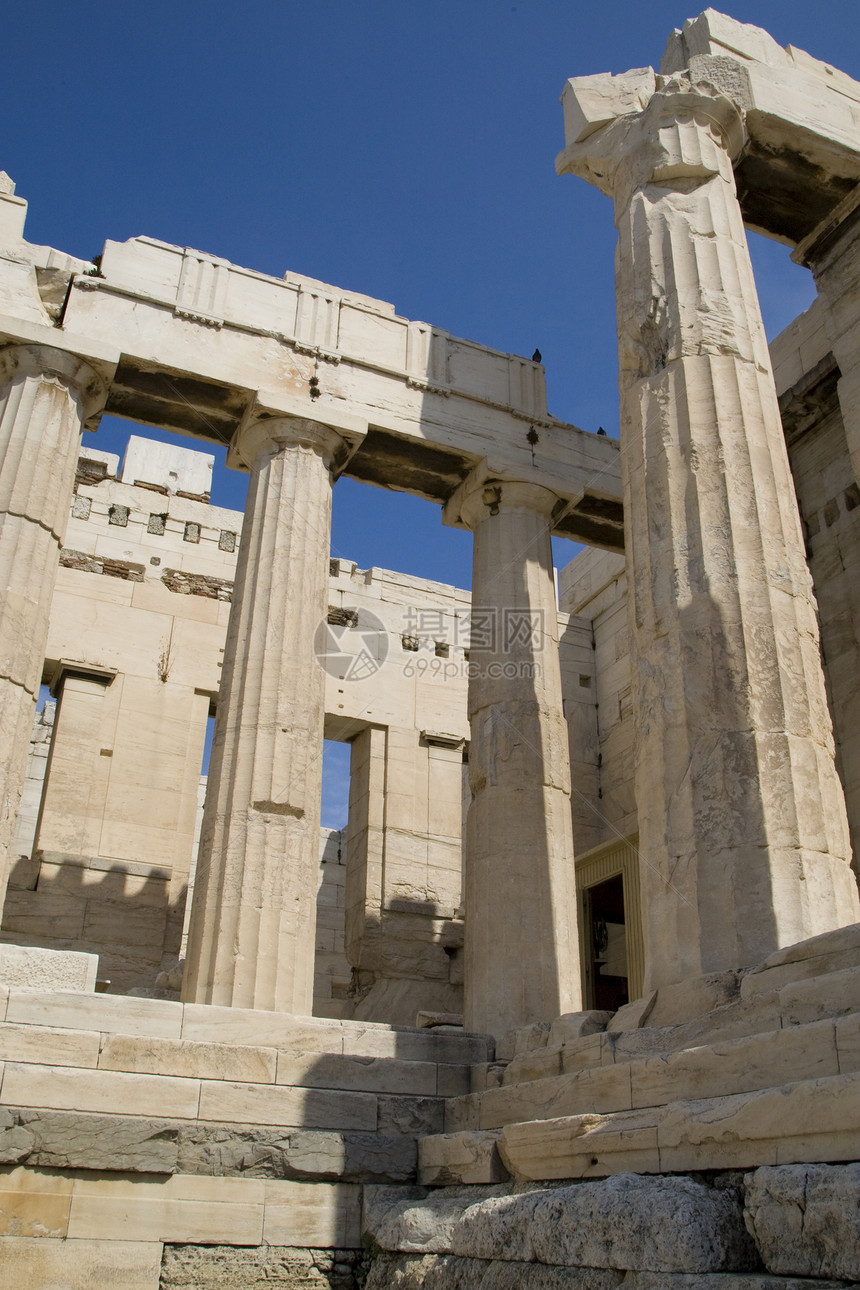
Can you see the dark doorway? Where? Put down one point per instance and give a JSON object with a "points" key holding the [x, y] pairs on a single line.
{"points": [[607, 941]]}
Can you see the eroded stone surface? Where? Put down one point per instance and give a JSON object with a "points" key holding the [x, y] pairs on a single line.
{"points": [[806, 1219], [214, 1267]]}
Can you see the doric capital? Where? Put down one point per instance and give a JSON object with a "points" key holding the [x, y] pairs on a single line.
{"points": [[625, 132], [266, 435], [482, 495], [58, 367]]}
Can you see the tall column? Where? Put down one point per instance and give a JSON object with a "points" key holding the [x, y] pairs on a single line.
{"points": [[253, 917], [743, 835], [46, 398], [521, 947]]}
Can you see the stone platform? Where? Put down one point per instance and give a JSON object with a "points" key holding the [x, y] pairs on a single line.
{"points": [[153, 1144]]}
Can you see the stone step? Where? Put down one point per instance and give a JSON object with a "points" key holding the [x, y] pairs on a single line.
{"points": [[238, 1027], [816, 1120], [811, 981], [118, 1143], [809, 1051]]}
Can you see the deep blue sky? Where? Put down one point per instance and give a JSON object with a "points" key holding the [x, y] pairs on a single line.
{"points": [[400, 148]]}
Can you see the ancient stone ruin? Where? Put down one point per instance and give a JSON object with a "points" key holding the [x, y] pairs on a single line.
{"points": [[597, 1027]]}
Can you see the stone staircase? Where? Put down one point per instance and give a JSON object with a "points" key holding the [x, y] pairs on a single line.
{"points": [[735, 1070]]}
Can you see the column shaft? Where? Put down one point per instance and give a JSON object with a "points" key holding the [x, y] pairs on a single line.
{"points": [[46, 397], [251, 937], [743, 834], [521, 949]]}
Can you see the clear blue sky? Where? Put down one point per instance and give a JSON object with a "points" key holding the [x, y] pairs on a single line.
{"points": [[400, 148]]}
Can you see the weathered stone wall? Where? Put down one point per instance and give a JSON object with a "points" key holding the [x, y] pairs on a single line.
{"points": [[829, 501]]}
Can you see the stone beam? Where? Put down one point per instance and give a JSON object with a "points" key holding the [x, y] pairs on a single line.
{"points": [[202, 340]]}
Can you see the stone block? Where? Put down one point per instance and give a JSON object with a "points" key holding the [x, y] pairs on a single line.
{"points": [[582, 1054], [414, 1045], [463, 1113], [452, 1159], [582, 1146], [810, 1120], [590, 102], [453, 1081], [367, 1074], [226, 1211], [64, 1088], [415, 1115], [733, 1021], [29, 968], [806, 1219], [41, 1044], [540, 1063], [79, 1265], [486, 1075], [312, 1214], [847, 1032], [832, 995], [632, 1016], [736, 1066], [686, 1000], [300, 1154], [188, 1059], [106, 1012], [296, 1108], [215, 1267], [631, 1222], [453, 1272], [815, 957], [418, 1222], [602, 1089], [71, 1140], [572, 1026], [34, 1202], [260, 1029], [529, 1038]]}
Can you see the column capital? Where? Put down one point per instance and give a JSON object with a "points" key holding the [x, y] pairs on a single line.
{"points": [[265, 434], [625, 132], [483, 493], [46, 363]]}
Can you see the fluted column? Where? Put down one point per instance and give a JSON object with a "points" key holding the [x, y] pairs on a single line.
{"points": [[743, 834], [521, 948], [253, 917], [46, 398]]}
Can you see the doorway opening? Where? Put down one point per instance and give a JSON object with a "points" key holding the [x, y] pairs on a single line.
{"points": [[607, 976]]}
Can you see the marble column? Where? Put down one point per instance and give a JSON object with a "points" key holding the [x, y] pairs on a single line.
{"points": [[521, 946], [743, 834], [253, 916], [47, 396]]}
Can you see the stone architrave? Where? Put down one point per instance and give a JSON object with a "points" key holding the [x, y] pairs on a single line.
{"points": [[521, 945], [253, 916], [47, 397], [743, 835]]}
